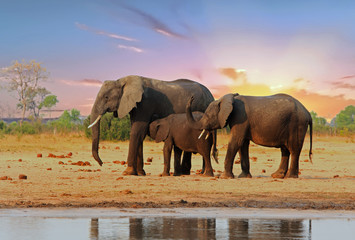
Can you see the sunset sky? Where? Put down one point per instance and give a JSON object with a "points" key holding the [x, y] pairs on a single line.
{"points": [[304, 48]]}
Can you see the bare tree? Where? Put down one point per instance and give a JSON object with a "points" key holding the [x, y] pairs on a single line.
{"points": [[24, 78]]}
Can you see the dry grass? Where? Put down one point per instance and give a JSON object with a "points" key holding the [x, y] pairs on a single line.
{"points": [[327, 183]]}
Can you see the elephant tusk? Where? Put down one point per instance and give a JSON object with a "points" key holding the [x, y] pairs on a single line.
{"points": [[201, 134], [207, 135], [97, 119]]}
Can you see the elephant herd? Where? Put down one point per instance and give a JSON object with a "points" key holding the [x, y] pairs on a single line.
{"points": [[184, 115]]}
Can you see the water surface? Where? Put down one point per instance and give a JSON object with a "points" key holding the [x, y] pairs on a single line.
{"points": [[218, 223]]}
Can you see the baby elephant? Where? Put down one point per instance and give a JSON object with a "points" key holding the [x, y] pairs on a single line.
{"points": [[175, 132]]}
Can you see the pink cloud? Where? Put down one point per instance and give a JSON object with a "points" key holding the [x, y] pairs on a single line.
{"points": [[84, 82]]}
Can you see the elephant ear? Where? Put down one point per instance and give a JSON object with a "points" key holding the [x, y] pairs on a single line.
{"points": [[132, 94], [225, 109], [162, 132]]}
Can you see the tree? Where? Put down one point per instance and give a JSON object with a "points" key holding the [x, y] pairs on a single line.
{"points": [[49, 102], [346, 118], [24, 78], [320, 124]]}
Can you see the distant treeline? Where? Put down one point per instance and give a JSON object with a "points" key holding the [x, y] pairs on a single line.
{"points": [[112, 128]]}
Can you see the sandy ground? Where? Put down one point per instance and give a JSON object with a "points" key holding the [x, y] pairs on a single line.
{"points": [[328, 183]]}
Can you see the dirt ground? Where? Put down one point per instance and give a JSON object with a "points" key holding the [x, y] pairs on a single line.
{"points": [[66, 175]]}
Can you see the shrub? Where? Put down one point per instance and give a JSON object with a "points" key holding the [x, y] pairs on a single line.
{"points": [[111, 128]]}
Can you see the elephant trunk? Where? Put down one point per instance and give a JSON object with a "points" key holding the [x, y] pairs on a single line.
{"points": [[190, 119], [95, 127]]}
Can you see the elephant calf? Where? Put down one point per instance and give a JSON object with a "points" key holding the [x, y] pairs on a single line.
{"points": [[175, 132]]}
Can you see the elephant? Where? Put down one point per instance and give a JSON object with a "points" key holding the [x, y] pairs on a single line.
{"points": [[278, 121], [176, 133], [141, 98]]}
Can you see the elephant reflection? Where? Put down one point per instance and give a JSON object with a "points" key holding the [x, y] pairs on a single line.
{"points": [[206, 228]]}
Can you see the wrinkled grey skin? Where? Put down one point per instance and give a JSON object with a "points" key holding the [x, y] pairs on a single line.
{"points": [[175, 132], [141, 98], [274, 121]]}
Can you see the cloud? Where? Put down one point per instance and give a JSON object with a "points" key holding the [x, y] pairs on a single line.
{"points": [[347, 82], [324, 105], [238, 75], [84, 82], [348, 77], [100, 32], [153, 23], [131, 48]]}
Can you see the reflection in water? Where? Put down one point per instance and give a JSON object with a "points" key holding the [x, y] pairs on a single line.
{"points": [[206, 228], [173, 228]]}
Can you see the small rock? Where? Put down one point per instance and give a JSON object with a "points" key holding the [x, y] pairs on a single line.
{"points": [[22, 176], [336, 176], [119, 178], [150, 159], [39, 155], [263, 171], [4, 178], [127, 191]]}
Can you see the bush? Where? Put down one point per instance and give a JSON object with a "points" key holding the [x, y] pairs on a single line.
{"points": [[111, 128], [67, 122]]}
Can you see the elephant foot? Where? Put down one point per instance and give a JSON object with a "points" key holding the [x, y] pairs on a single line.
{"points": [[141, 172], [208, 174], [165, 174], [278, 174], [226, 175], [290, 175], [185, 173], [245, 175], [130, 171], [177, 174]]}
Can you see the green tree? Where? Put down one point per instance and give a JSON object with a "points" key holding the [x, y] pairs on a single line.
{"points": [[345, 120], [48, 102], [24, 78], [320, 124], [111, 128], [68, 121]]}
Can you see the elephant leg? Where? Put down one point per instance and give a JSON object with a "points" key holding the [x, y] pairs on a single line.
{"points": [[138, 132], [177, 160], [294, 166], [186, 163], [244, 160], [295, 149], [233, 148], [207, 162], [140, 161], [285, 156], [167, 156], [203, 166]]}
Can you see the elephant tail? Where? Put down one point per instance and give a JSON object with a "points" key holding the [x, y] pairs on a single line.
{"points": [[310, 140], [214, 146]]}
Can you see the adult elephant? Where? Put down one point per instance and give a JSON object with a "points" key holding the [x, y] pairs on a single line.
{"points": [[143, 99], [278, 121]]}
